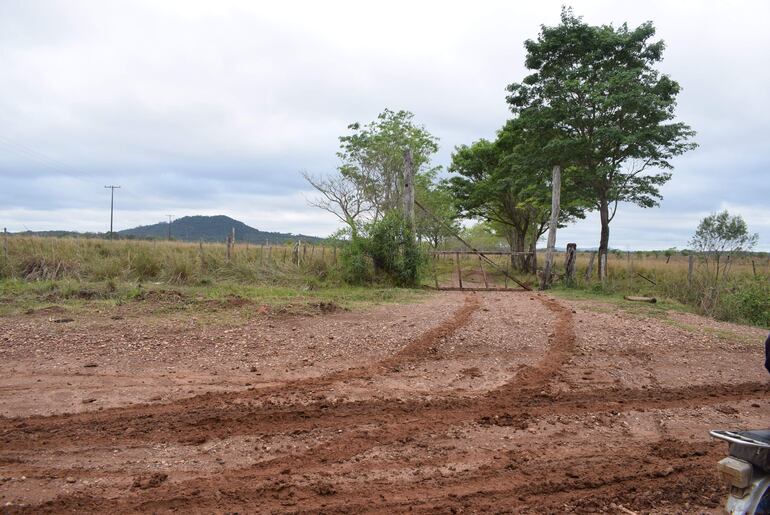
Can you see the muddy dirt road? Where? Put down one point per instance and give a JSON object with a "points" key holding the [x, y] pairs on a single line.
{"points": [[466, 402]]}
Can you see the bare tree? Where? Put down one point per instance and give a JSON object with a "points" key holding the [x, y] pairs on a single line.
{"points": [[342, 197]]}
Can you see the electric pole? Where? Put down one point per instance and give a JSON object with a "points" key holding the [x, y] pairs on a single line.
{"points": [[112, 204], [169, 227]]}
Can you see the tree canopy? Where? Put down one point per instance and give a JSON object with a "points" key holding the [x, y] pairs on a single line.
{"points": [[595, 104]]}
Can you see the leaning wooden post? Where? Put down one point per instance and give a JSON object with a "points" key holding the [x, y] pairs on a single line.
{"points": [[545, 281], [409, 188], [459, 274], [690, 261], [569, 262], [483, 273]]}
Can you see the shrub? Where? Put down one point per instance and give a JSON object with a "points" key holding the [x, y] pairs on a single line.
{"points": [[356, 263], [394, 251], [749, 301]]}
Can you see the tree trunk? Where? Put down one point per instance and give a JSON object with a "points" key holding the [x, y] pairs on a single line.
{"points": [[545, 280], [604, 239], [409, 188], [520, 258]]}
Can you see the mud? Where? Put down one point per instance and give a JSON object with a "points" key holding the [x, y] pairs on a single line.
{"points": [[478, 403]]}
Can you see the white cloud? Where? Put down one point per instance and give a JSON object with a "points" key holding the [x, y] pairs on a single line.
{"points": [[186, 102]]}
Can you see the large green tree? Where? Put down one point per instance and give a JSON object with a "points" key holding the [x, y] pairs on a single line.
{"points": [[504, 182], [372, 156], [597, 106], [369, 181]]}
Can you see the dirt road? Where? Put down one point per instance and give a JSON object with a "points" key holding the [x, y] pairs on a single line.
{"points": [[466, 402]]}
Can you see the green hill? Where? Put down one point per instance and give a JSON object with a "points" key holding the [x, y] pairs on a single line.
{"points": [[211, 228]]}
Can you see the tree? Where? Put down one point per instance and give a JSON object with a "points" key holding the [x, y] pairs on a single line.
{"points": [[718, 237], [597, 106], [342, 197], [369, 180], [505, 183], [440, 223], [372, 157]]}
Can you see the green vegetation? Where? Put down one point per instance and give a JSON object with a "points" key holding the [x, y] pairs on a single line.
{"points": [[75, 272]]}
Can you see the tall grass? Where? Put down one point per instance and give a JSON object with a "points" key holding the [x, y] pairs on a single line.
{"points": [[51, 259]]}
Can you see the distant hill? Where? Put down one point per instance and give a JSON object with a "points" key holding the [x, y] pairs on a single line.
{"points": [[212, 228]]}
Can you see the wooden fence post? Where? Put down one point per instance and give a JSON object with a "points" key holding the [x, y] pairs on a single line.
{"points": [[569, 262], [545, 280], [459, 274]]}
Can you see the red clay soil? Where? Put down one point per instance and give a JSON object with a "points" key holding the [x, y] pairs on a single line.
{"points": [[479, 403]]}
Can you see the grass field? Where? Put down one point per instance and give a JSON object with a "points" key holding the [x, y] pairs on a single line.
{"points": [[38, 270]]}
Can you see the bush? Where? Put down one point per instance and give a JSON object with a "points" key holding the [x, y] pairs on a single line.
{"points": [[749, 302], [356, 264], [394, 251]]}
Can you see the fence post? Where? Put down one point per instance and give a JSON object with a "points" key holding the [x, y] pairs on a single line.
{"points": [[459, 274], [569, 262], [590, 269], [690, 260]]}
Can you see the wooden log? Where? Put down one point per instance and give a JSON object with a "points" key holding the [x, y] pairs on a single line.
{"points": [[633, 298]]}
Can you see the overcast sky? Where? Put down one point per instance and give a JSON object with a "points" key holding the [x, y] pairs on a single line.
{"points": [[216, 107]]}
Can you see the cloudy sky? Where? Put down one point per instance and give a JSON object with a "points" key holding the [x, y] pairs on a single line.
{"points": [[215, 107]]}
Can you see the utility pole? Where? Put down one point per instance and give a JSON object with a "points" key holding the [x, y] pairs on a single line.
{"points": [[112, 204], [169, 227]]}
